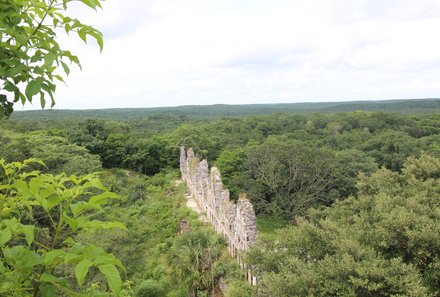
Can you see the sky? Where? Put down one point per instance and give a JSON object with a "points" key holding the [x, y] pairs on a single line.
{"points": [[193, 52]]}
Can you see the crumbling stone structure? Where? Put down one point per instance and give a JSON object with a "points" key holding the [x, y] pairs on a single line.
{"points": [[236, 221], [183, 227]]}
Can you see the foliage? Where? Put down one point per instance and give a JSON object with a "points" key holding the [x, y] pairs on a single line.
{"points": [[267, 225], [349, 164], [335, 148], [58, 155], [384, 242], [286, 177], [118, 148], [29, 50], [239, 289], [294, 177], [327, 152], [149, 288], [152, 238], [231, 164], [193, 258], [152, 220], [391, 148], [40, 216]]}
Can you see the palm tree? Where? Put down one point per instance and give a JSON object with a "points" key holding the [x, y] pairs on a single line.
{"points": [[191, 260]]}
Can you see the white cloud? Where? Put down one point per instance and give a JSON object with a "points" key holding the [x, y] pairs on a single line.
{"points": [[169, 52]]}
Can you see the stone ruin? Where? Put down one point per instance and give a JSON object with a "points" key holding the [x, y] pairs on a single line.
{"points": [[183, 227], [236, 221]]}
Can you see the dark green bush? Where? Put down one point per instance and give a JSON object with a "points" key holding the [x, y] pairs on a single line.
{"points": [[149, 288]]}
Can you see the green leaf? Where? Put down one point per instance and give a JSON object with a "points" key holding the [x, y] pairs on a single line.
{"points": [[2, 268], [55, 22], [28, 231], [34, 160], [105, 258], [81, 270], [65, 67], [49, 58], [52, 100], [36, 57], [71, 222], [112, 276], [48, 281], [102, 198], [48, 290], [21, 258], [32, 88], [29, 174], [98, 37], [12, 224], [5, 236], [67, 28], [15, 70], [42, 100], [59, 77], [22, 39], [38, 70], [74, 59], [49, 278], [53, 201], [69, 241], [95, 182], [53, 257], [92, 3], [77, 208], [82, 33], [71, 258]]}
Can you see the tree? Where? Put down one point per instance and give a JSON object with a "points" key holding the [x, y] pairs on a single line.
{"points": [[40, 216], [385, 242], [390, 148], [295, 176], [349, 163], [230, 164], [149, 288], [57, 154], [30, 54], [239, 289], [192, 258], [91, 134]]}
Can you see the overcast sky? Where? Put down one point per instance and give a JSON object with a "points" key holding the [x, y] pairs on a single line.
{"points": [[180, 52]]}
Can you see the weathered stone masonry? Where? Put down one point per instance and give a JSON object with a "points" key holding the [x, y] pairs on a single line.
{"points": [[236, 221]]}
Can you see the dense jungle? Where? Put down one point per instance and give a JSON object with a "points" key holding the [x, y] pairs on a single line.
{"points": [[346, 202]]}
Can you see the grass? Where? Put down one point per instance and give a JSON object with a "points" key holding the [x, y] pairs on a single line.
{"points": [[266, 225]]}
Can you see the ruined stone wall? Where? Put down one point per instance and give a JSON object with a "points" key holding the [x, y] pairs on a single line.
{"points": [[236, 221]]}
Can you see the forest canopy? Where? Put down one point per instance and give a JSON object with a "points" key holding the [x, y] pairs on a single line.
{"points": [[353, 197], [385, 241]]}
